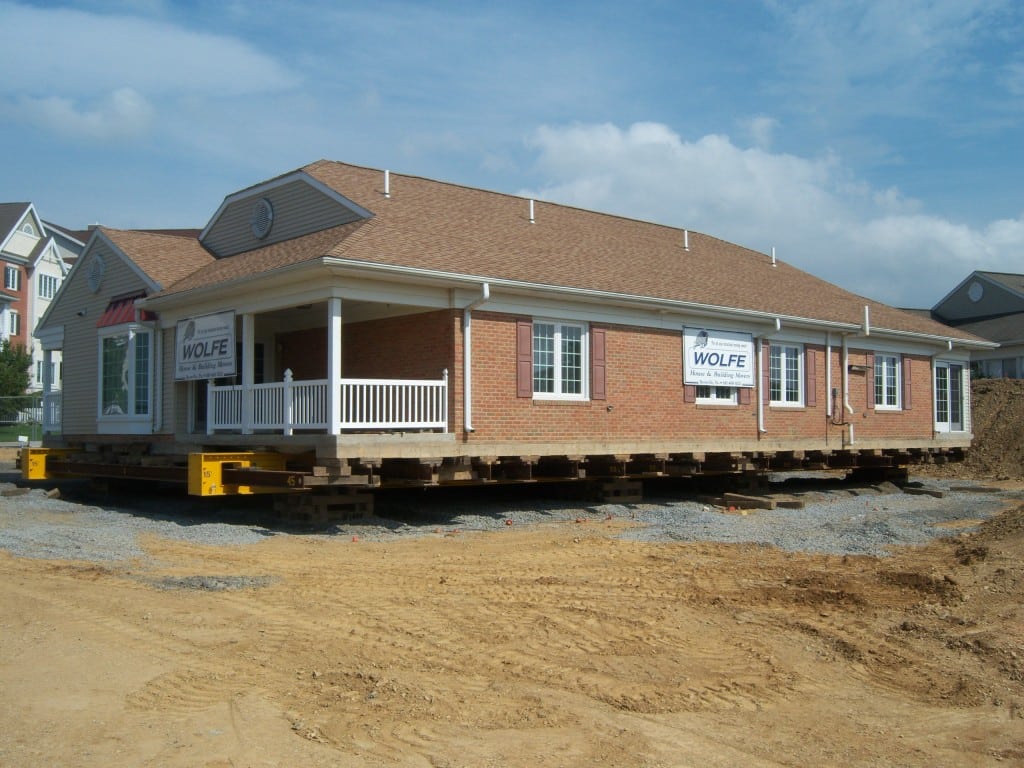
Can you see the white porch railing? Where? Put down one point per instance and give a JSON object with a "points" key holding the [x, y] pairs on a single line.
{"points": [[52, 411], [365, 404]]}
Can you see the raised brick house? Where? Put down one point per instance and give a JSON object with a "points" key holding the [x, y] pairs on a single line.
{"points": [[384, 320]]}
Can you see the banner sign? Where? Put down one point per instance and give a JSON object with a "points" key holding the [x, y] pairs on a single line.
{"points": [[718, 358], [204, 347]]}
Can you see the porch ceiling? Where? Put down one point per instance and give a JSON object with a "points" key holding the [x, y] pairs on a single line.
{"points": [[315, 315]]}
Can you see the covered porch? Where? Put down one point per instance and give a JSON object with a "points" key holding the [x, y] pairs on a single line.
{"points": [[330, 368]]}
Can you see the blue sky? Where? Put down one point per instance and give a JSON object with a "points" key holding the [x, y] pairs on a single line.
{"points": [[879, 145]]}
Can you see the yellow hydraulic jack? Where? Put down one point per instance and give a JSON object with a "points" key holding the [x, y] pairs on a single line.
{"points": [[241, 473]]}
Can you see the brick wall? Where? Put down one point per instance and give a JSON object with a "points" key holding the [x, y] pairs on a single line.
{"points": [[645, 396]]}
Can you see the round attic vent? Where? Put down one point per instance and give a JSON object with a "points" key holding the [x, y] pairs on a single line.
{"points": [[96, 270], [262, 218], [975, 291]]}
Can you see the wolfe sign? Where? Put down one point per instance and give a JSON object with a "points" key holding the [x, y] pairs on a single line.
{"points": [[718, 358], [205, 347]]}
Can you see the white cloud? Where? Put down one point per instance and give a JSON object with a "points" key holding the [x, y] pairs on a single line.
{"points": [[851, 60], [761, 130], [123, 114], [63, 51], [821, 218]]}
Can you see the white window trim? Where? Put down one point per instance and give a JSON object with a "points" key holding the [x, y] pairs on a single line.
{"points": [[799, 402], [12, 271], [47, 280], [898, 368], [127, 423], [584, 393], [713, 398], [944, 427]]}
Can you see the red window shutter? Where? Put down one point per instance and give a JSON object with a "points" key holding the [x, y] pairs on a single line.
{"points": [[598, 364], [689, 393], [907, 403], [766, 373], [869, 381], [524, 358], [811, 377], [745, 395]]}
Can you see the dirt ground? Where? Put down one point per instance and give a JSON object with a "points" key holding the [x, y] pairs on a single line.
{"points": [[560, 645]]}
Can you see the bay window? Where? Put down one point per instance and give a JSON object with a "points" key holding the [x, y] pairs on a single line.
{"points": [[126, 373]]}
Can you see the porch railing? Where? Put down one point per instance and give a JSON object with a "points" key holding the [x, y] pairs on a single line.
{"points": [[364, 404], [52, 411]]}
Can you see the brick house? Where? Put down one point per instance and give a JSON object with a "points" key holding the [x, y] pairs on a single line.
{"points": [[379, 319], [35, 257]]}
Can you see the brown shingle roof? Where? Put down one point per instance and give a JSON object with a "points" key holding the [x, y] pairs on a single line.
{"points": [[164, 258], [432, 225]]}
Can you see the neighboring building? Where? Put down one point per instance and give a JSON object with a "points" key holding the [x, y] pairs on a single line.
{"points": [[36, 257], [989, 305], [393, 323]]}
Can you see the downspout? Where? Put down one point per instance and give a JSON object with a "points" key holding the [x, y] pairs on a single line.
{"points": [[846, 383], [760, 374], [467, 354], [828, 374]]}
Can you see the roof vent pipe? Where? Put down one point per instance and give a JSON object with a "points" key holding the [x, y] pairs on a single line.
{"points": [[532, 220], [387, 183], [867, 320], [686, 239], [773, 255]]}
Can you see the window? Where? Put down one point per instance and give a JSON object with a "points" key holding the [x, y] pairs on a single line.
{"points": [[949, 397], [558, 361], [48, 285], [887, 381], [716, 395], [785, 376], [14, 324], [125, 376], [12, 278]]}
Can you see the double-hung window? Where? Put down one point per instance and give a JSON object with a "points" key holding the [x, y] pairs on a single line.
{"points": [[785, 375], [559, 360], [48, 285], [887, 381], [12, 278], [14, 323], [126, 373]]}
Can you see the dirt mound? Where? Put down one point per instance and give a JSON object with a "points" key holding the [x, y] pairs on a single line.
{"points": [[997, 416]]}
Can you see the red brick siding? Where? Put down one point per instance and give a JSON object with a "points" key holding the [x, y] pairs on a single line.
{"points": [[645, 396]]}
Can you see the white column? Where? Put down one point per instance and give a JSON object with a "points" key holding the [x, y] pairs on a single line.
{"points": [[248, 368], [334, 365]]}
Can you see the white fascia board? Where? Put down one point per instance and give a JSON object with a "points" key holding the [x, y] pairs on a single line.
{"points": [[291, 178], [50, 338], [537, 299], [933, 338]]}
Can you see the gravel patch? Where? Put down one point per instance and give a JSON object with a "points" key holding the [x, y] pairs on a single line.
{"points": [[836, 520]]}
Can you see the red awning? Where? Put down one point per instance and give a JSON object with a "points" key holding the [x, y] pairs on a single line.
{"points": [[121, 311]]}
